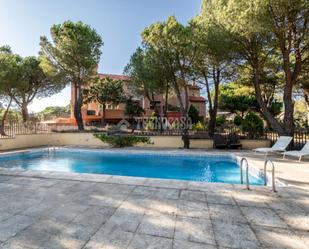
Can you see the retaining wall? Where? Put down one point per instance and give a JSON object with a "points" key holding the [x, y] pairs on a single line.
{"points": [[87, 139]]}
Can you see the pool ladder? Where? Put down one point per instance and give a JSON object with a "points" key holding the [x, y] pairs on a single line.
{"points": [[51, 148], [267, 161], [273, 180], [247, 173]]}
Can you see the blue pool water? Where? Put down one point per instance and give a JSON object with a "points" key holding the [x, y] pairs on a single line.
{"points": [[206, 168]]}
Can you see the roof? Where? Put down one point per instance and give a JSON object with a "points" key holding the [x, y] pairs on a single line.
{"points": [[114, 76], [194, 87], [196, 99]]}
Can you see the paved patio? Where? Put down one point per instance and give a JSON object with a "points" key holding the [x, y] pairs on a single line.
{"points": [[56, 210], [289, 171]]}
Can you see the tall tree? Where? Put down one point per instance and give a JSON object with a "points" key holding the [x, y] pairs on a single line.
{"points": [[212, 65], [51, 112], [261, 29], [174, 51], [9, 75], [105, 91], [133, 110], [289, 22], [34, 82], [74, 54], [251, 41], [237, 99], [146, 77]]}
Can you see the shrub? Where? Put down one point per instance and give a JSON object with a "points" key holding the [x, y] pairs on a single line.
{"points": [[221, 121], [172, 108], [194, 114], [119, 141], [237, 120], [252, 124], [199, 126]]}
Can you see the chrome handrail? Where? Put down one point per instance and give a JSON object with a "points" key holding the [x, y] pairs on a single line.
{"points": [[51, 148], [273, 174], [247, 173]]}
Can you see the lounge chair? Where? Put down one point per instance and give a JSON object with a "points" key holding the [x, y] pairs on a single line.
{"points": [[298, 153], [280, 146], [219, 141]]}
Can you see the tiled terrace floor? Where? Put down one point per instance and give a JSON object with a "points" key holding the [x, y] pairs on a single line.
{"points": [[54, 210], [289, 171]]}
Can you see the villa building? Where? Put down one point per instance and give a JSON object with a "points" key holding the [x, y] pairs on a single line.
{"points": [[92, 112]]}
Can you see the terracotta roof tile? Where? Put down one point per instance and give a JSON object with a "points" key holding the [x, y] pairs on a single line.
{"points": [[196, 99], [114, 76]]}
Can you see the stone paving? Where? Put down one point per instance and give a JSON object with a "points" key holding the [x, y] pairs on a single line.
{"points": [[55, 210], [289, 171]]}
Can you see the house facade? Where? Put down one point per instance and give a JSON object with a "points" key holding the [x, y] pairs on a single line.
{"points": [[92, 112]]}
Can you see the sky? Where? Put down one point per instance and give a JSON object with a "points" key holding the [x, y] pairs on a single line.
{"points": [[119, 22]]}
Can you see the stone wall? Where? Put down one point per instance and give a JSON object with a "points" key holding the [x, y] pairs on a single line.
{"points": [[87, 139]]}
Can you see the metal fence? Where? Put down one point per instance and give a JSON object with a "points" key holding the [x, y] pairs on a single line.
{"points": [[299, 140], [11, 130]]}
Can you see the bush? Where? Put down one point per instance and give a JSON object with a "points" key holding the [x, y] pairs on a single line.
{"points": [[238, 120], [194, 114], [220, 121], [119, 141], [172, 108], [253, 124], [199, 126]]}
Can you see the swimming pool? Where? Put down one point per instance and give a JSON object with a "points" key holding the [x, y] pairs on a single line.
{"points": [[166, 165]]}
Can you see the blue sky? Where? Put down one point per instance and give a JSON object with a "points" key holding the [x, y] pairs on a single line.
{"points": [[119, 22]]}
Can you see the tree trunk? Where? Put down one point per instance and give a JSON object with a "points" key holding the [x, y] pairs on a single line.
{"points": [[288, 119], [166, 101], [306, 95], [185, 131], [184, 111], [213, 110], [270, 119], [24, 112], [185, 138], [78, 107], [2, 131], [103, 121], [212, 123]]}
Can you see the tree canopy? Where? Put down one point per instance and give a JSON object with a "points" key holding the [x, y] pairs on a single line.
{"points": [[23, 79], [146, 78], [263, 29], [174, 51], [104, 91], [34, 82], [51, 112], [73, 55]]}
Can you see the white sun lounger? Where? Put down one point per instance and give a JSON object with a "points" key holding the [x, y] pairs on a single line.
{"points": [[279, 146], [298, 153]]}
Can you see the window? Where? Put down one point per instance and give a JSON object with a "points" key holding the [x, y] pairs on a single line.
{"points": [[111, 107], [90, 113]]}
